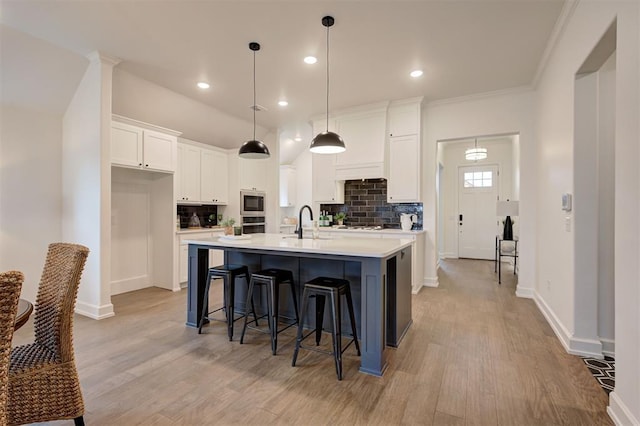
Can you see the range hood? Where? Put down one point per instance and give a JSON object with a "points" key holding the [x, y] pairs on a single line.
{"points": [[360, 171]]}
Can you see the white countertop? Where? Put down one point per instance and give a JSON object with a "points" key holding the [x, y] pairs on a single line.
{"points": [[360, 247], [194, 230]]}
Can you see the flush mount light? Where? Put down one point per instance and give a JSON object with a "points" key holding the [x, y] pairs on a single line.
{"points": [[327, 142], [283, 103], [254, 149], [416, 73], [310, 60], [475, 153], [297, 139], [203, 85]]}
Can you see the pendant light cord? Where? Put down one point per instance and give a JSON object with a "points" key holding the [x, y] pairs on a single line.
{"points": [[254, 95], [327, 78]]}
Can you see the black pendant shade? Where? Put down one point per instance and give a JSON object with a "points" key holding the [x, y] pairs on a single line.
{"points": [[254, 149], [327, 142]]}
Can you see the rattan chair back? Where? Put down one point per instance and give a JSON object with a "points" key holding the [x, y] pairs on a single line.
{"points": [[43, 379], [10, 286], [56, 298]]}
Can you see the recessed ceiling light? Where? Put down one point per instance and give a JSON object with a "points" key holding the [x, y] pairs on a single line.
{"points": [[283, 103], [310, 60], [298, 139], [203, 85], [416, 73]]}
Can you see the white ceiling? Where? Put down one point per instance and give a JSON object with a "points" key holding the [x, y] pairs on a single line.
{"points": [[464, 47]]}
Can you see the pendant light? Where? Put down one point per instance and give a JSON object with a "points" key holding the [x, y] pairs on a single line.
{"points": [[475, 153], [327, 142], [254, 149]]}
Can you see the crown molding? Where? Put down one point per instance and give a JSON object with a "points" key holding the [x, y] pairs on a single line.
{"points": [[96, 56], [479, 96], [558, 29]]}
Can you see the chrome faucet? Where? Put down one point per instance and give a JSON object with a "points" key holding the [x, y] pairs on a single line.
{"points": [[300, 219]]}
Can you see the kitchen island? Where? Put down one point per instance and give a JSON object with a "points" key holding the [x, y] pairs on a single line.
{"points": [[379, 272]]}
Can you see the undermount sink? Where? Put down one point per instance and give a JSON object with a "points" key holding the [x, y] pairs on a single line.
{"points": [[306, 237]]}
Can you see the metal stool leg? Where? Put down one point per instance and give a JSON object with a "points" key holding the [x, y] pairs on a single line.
{"points": [[352, 318], [274, 307], [205, 303], [337, 347], [249, 302], [319, 317], [305, 300]]}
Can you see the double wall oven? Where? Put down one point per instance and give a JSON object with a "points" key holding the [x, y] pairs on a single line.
{"points": [[252, 205]]}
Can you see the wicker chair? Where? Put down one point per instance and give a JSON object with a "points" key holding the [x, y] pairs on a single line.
{"points": [[10, 286], [43, 380]]}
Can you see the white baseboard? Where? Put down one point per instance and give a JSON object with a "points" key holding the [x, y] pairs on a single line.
{"points": [[608, 347], [94, 311], [524, 292], [619, 412], [430, 282], [573, 345], [129, 284]]}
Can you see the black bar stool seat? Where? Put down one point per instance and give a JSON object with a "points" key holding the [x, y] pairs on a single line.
{"points": [[228, 273], [272, 279], [334, 288]]}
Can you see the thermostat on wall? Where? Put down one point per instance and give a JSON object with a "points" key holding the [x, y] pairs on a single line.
{"points": [[566, 202]]}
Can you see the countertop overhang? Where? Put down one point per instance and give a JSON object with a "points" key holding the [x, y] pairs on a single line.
{"points": [[359, 247]]}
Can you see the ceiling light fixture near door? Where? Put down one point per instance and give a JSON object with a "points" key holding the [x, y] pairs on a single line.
{"points": [[283, 103], [310, 60], [327, 142], [416, 73], [475, 153], [254, 149], [203, 85]]}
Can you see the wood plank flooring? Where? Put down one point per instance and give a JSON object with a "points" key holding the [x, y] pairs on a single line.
{"points": [[475, 355]]}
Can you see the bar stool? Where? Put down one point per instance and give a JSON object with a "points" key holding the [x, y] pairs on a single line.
{"points": [[272, 279], [320, 288], [228, 273]]}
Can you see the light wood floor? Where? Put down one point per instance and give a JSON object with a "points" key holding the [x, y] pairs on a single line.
{"points": [[475, 355]]}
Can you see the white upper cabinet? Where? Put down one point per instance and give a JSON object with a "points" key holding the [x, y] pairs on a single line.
{"points": [[403, 185], [214, 181], [139, 147], [326, 189], [404, 119], [403, 160], [254, 174], [126, 145], [202, 175], [188, 174], [288, 186]]}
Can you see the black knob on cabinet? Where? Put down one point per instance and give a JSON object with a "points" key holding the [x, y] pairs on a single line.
{"points": [[146, 165], [139, 164]]}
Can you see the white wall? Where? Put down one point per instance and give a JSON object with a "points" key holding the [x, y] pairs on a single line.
{"points": [[508, 112], [555, 132], [30, 191], [500, 153], [86, 184], [606, 203]]}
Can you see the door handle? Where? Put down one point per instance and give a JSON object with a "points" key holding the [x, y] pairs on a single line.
{"points": [[460, 219]]}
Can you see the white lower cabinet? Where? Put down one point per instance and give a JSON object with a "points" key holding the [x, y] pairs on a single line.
{"points": [[216, 257]]}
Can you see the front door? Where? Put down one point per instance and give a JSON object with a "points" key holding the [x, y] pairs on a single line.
{"points": [[477, 197]]}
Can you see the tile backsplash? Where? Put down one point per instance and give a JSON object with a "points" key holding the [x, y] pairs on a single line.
{"points": [[365, 204], [185, 212]]}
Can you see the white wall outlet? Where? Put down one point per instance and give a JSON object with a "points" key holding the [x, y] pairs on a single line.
{"points": [[567, 223], [548, 284]]}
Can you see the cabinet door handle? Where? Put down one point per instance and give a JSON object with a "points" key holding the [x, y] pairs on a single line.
{"points": [[146, 165], [139, 164]]}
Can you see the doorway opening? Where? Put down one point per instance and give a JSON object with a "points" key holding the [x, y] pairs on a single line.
{"points": [[468, 192], [594, 199]]}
